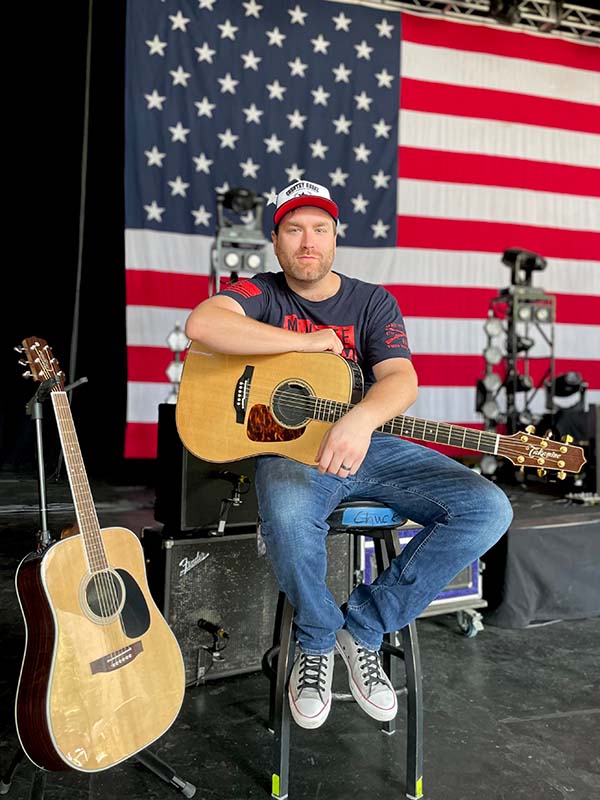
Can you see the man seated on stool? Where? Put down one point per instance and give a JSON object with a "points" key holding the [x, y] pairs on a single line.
{"points": [[310, 308]]}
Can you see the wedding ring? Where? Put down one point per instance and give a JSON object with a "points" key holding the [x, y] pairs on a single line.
{"points": [[343, 466]]}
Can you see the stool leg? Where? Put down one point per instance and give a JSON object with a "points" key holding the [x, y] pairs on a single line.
{"points": [[385, 551], [277, 629], [281, 709], [414, 712]]}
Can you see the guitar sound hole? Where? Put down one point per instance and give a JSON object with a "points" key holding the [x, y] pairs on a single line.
{"points": [[104, 594], [291, 402]]}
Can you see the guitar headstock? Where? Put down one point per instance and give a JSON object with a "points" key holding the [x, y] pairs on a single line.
{"points": [[41, 362], [527, 450]]}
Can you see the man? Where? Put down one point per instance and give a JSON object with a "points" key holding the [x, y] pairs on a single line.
{"points": [[310, 308]]}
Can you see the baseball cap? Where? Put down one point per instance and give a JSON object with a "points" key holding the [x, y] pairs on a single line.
{"points": [[304, 193]]}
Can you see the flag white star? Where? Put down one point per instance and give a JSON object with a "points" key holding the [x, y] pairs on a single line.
{"points": [[250, 60], [296, 120], [342, 22], [154, 157], [252, 9], [342, 73], [382, 129], [342, 125], [319, 96], [205, 108], [249, 168], [363, 101], [384, 78], [179, 22], [228, 30], [202, 216], [297, 15], [271, 196], [154, 212], [384, 28], [228, 139], [360, 204], [178, 187], [156, 46], [207, 4], [297, 67], [380, 180], [338, 178], [205, 53], [228, 84], [318, 149], [379, 229], [155, 100], [320, 44], [294, 173], [341, 229], [273, 144], [275, 37], [276, 90], [362, 154], [179, 133], [363, 50], [180, 76], [253, 114], [202, 163]]}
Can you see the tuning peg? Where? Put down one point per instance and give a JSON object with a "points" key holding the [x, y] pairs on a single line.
{"points": [[521, 469], [27, 374], [548, 434], [567, 439], [561, 475], [19, 349], [542, 472], [530, 429]]}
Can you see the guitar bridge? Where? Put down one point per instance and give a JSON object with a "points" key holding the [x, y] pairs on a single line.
{"points": [[242, 392], [116, 660]]}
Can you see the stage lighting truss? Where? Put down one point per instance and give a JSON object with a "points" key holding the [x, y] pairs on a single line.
{"points": [[177, 342]]}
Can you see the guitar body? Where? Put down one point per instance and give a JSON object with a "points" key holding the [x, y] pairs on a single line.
{"points": [[227, 407], [96, 687]]}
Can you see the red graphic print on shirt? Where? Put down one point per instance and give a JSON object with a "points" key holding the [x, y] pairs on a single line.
{"points": [[345, 333]]}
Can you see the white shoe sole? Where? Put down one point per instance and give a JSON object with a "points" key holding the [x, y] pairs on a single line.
{"points": [[378, 713], [308, 722]]}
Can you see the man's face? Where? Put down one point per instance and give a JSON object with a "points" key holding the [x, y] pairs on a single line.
{"points": [[305, 244]]}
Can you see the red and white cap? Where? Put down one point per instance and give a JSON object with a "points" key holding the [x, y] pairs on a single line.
{"points": [[304, 193]]}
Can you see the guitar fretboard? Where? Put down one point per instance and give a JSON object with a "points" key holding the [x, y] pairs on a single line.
{"points": [[80, 487]]}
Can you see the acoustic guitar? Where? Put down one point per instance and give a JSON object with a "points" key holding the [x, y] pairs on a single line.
{"points": [[232, 407], [102, 675]]}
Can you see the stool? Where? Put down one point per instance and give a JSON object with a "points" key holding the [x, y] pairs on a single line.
{"points": [[359, 518]]}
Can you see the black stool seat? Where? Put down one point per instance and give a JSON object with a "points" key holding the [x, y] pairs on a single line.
{"points": [[380, 522]]}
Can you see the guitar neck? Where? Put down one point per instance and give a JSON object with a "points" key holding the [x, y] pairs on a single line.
{"points": [[424, 430], [85, 509]]}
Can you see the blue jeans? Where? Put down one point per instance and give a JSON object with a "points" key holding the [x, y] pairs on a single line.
{"points": [[462, 515]]}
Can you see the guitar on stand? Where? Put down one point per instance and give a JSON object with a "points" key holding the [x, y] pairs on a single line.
{"points": [[102, 675]]}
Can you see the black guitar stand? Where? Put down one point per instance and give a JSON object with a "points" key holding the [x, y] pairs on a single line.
{"points": [[145, 757]]}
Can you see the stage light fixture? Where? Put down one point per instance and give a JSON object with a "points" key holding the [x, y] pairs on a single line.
{"points": [[493, 355], [568, 383], [492, 382], [491, 410], [522, 264], [523, 344], [492, 326], [524, 313], [505, 11], [543, 313]]}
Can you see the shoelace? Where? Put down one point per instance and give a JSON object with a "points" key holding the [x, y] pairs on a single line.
{"points": [[371, 669], [311, 674]]}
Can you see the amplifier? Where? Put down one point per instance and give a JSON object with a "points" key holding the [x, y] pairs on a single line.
{"points": [[222, 583], [191, 494]]}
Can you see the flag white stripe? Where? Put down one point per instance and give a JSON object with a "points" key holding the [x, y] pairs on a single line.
{"points": [[189, 255], [497, 204], [496, 138], [451, 404], [149, 326], [500, 73]]}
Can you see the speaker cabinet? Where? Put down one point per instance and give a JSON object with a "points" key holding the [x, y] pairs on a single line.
{"points": [[190, 493], [223, 581]]}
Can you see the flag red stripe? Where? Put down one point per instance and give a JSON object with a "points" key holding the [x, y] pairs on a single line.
{"points": [[141, 440], [468, 101], [499, 41], [149, 364], [475, 168], [166, 290], [495, 237]]}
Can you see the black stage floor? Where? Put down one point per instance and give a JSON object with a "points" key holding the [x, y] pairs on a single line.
{"points": [[509, 714]]}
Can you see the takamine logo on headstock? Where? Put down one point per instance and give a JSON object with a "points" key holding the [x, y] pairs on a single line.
{"points": [[526, 450]]}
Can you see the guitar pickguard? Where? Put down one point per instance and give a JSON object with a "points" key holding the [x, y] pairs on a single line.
{"points": [[262, 427]]}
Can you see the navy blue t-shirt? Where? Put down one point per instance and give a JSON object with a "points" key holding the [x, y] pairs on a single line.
{"points": [[365, 316]]}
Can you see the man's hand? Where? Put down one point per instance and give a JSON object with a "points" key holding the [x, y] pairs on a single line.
{"points": [[344, 446], [321, 341]]}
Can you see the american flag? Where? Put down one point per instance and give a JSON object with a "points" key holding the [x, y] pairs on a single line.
{"points": [[443, 143]]}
